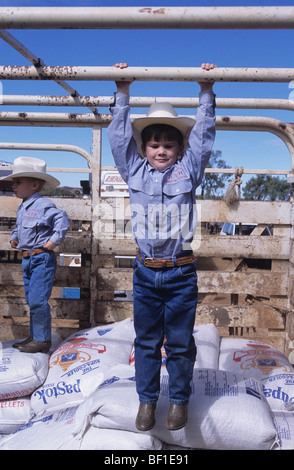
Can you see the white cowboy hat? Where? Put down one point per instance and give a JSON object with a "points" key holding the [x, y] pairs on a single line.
{"points": [[161, 113], [31, 168]]}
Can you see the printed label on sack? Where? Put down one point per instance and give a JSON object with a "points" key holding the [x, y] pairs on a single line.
{"points": [[274, 387], [261, 357], [54, 391], [78, 353]]}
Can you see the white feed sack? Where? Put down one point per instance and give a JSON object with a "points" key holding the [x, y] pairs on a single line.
{"points": [[77, 367], [263, 362], [226, 411], [284, 422], [20, 373], [53, 431], [14, 413], [207, 340]]}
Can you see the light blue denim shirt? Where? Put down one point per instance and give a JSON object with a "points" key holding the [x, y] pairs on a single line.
{"points": [[37, 221], [163, 207]]}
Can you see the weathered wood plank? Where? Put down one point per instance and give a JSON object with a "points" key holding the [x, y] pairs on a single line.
{"points": [[218, 246], [260, 212], [75, 242], [76, 209], [11, 275], [257, 247], [259, 316], [261, 283], [248, 316], [60, 308], [18, 327]]}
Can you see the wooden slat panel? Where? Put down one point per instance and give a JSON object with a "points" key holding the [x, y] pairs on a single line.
{"points": [[60, 308], [260, 247], [11, 275], [261, 283], [18, 327], [75, 242], [260, 212], [76, 209], [222, 316], [218, 246]]}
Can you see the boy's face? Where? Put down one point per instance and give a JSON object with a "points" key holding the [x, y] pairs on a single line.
{"points": [[162, 153], [25, 187]]}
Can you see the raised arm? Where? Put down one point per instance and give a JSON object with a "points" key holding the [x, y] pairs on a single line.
{"points": [[202, 136]]}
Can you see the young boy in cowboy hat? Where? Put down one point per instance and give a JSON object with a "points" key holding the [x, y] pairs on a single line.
{"points": [[162, 188], [40, 227]]}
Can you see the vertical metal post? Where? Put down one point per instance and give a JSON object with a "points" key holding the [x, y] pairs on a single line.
{"points": [[95, 186]]}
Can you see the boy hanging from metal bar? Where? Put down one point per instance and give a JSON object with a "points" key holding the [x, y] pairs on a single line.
{"points": [[162, 158]]}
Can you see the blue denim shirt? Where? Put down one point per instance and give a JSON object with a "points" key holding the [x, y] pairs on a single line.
{"points": [[163, 206], [37, 221]]}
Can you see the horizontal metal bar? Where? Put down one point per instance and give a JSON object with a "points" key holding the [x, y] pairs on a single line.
{"points": [[36, 61], [197, 74], [231, 171], [227, 171], [50, 147], [142, 101], [276, 17], [222, 122], [284, 131]]}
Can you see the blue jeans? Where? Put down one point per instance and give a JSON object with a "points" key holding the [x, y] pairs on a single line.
{"points": [[38, 276], [165, 303]]}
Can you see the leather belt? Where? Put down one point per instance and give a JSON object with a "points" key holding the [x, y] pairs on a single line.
{"points": [[37, 251], [166, 263]]}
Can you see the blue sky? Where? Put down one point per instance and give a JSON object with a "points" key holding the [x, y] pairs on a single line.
{"points": [[153, 48]]}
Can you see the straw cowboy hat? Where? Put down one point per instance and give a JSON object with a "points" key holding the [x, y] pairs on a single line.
{"points": [[161, 113], [31, 168]]}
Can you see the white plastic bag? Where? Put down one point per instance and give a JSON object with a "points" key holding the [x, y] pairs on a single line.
{"points": [[226, 411], [14, 413], [263, 362], [284, 422], [53, 431], [20, 373], [78, 365]]}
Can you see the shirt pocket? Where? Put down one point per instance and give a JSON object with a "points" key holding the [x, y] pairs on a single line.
{"points": [[178, 195], [142, 192], [29, 228]]}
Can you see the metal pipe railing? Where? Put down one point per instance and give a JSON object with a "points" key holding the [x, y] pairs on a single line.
{"points": [[188, 74], [276, 17], [144, 101], [36, 61], [49, 147], [284, 131]]}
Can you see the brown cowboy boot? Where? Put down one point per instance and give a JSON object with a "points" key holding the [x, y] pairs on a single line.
{"points": [[24, 341], [145, 417], [177, 417], [35, 347]]}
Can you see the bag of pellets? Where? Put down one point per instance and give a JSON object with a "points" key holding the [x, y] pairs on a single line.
{"points": [[53, 431], [20, 373], [14, 413], [78, 365], [226, 411], [263, 362], [284, 422]]}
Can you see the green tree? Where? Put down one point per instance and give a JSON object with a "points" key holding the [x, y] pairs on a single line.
{"points": [[213, 183], [266, 188]]}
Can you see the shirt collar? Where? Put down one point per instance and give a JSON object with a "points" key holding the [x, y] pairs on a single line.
{"points": [[31, 199], [151, 168]]}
